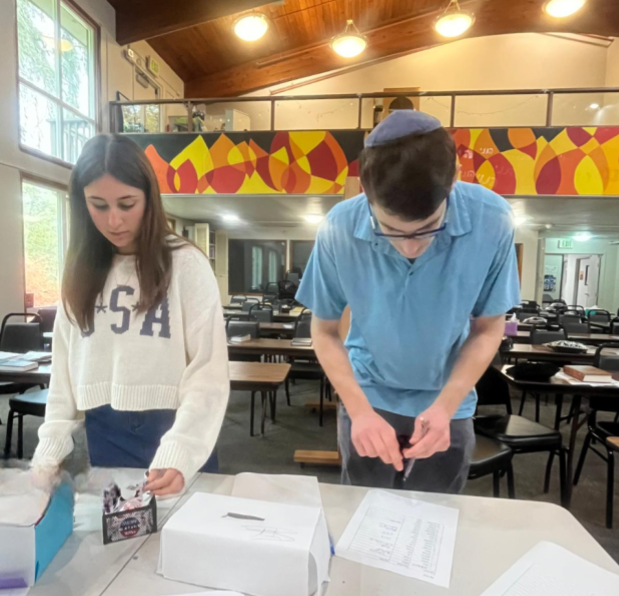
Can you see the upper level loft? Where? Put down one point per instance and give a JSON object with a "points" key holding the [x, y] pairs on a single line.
{"points": [[516, 142]]}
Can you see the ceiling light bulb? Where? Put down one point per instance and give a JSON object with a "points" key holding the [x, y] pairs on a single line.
{"points": [[454, 21], [312, 218], [594, 106], [583, 236], [350, 42], [548, 226], [251, 27], [563, 8], [231, 217], [520, 220]]}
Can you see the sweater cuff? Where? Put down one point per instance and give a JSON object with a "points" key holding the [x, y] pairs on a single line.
{"points": [[52, 450], [172, 454]]}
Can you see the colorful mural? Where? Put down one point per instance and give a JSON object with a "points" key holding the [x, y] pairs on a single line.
{"points": [[510, 161]]}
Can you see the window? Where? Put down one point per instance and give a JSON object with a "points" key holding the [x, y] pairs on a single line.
{"points": [[301, 251], [254, 264], [57, 103], [256, 260], [44, 235], [273, 266]]}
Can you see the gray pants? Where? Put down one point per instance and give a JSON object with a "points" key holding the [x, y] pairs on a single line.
{"points": [[444, 472]]}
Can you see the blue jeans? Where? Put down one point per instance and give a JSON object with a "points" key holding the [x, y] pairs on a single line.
{"points": [[120, 439]]}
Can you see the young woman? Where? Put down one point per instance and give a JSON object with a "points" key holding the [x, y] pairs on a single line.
{"points": [[139, 340]]}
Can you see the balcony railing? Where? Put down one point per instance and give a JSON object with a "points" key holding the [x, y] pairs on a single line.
{"points": [[455, 109]]}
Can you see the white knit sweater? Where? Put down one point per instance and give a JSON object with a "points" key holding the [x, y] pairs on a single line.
{"points": [[172, 357]]}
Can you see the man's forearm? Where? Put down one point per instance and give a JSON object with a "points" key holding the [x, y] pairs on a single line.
{"points": [[334, 360], [476, 354]]}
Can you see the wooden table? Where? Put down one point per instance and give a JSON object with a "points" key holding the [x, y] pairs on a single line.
{"points": [[271, 347], [84, 567], [244, 376], [559, 388], [544, 353], [585, 338]]}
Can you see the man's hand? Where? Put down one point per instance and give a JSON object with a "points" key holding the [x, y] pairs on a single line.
{"points": [[372, 436], [432, 433], [164, 482]]}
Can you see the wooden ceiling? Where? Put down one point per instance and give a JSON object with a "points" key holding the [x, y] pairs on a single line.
{"points": [[195, 37]]}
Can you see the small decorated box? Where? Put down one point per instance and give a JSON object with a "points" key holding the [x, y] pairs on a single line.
{"points": [[133, 523]]}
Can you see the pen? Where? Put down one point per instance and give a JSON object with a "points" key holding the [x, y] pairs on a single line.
{"points": [[411, 462]]}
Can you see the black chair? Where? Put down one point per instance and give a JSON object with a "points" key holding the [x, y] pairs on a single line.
{"points": [[614, 327], [493, 457], [248, 303], [261, 312], [601, 430], [542, 336], [20, 337], [48, 317], [251, 328], [599, 316], [271, 293], [520, 434], [576, 309], [32, 403], [309, 370], [238, 299], [558, 306], [573, 327], [530, 306]]}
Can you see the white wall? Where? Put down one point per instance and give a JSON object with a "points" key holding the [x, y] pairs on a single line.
{"points": [[13, 160], [519, 61], [608, 289]]}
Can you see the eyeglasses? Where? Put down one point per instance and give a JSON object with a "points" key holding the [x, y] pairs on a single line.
{"points": [[415, 235]]}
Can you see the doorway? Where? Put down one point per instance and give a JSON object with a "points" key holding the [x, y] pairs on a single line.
{"points": [[587, 282]]}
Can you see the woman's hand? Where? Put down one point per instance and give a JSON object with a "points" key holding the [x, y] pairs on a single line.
{"points": [[165, 482], [45, 474]]}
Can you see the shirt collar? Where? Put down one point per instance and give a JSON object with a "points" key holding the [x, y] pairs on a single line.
{"points": [[458, 223]]}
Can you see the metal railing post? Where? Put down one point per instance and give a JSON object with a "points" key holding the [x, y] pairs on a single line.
{"points": [[549, 108]]}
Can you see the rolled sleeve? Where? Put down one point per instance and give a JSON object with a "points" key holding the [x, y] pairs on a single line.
{"points": [[320, 289], [501, 289]]}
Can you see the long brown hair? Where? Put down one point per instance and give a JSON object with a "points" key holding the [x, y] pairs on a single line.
{"points": [[90, 254]]}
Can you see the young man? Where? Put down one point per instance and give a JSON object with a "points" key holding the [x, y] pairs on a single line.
{"points": [[428, 268]]}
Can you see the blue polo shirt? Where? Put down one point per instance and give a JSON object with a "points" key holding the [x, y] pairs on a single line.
{"points": [[409, 321]]}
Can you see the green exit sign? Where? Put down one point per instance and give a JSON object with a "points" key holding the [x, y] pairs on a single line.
{"points": [[153, 66], [566, 243]]}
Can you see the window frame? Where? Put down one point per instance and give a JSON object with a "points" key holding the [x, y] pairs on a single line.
{"points": [[63, 212], [95, 120]]}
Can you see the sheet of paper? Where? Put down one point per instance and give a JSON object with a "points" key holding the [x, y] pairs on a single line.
{"points": [[550, 570], [572, 381], [403, 535], [217, 593]]}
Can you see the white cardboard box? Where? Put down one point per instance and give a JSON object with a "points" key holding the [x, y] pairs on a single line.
{"points": [[255, 547]]}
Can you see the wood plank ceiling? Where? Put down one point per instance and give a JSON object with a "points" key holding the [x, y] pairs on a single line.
{"points": [[196, 39]]}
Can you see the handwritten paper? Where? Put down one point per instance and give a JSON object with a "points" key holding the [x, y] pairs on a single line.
{"points": [[550, 570], [402, 535]]}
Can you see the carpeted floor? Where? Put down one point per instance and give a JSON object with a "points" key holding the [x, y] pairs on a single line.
{"points": [[297, 428]]}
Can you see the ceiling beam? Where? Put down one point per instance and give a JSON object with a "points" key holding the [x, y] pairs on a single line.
{"points": [[492, 18], [144, 20]]}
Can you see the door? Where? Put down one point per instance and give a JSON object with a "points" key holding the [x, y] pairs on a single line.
{"points": [[588, 276]]}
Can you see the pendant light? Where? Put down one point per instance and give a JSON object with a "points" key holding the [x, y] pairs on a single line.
{"points": [[350, 42], [251, 27], [563, 8], [454, 21]]}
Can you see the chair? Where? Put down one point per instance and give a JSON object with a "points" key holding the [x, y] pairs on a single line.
{"points": [[576, 309], [308, 370], [248, 303], [20, 337], [530, 306], [604, 429], [27, 404], [542, 336], [573, 327], [271, 292], [251, 328], [612, 444], [518, 433], [261, 313], [48, 317], [238, 299], [614, 327], [599, 315], [493, 457]]}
